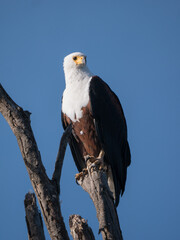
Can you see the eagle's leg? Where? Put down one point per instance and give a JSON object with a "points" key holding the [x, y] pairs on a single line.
{"points": [[91, 160], [101, 156]]}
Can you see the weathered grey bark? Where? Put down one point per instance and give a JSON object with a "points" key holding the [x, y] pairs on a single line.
{"points": [[80, 229], [95, 183], [45, 189], [33, 218]]}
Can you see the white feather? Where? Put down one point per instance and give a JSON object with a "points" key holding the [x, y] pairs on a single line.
{"points": [[76, 93]]}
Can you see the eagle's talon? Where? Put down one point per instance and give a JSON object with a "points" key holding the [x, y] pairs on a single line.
{"points": [[85, 171], [88, 158], [81, 174]]}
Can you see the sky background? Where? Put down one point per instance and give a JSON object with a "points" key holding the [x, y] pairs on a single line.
{"points": [[135, 47]]}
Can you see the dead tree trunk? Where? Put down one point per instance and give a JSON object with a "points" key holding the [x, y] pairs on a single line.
{"points": [[47, 191]]}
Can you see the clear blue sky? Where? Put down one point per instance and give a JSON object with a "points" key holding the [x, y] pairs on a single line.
{"points": [[135, 47]]}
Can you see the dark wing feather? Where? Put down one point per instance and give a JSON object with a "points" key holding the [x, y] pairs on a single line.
{"points": [[74, 146], [112, 131]]}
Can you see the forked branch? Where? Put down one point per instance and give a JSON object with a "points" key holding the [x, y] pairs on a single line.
{"points": [[45, 189]]}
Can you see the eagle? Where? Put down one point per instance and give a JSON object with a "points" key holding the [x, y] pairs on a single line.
{"points": [[98, 123]]}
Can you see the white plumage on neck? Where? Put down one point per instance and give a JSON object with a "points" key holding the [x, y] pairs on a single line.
{"points": [[76, 93]]}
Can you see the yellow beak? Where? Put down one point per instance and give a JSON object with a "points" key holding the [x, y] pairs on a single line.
{"points": [[80, 60]]}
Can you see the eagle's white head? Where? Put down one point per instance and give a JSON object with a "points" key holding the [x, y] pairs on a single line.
{"points": [[76, 93], [75, 68]]}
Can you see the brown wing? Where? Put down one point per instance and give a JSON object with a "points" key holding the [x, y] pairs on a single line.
{"points": [[111, 130]]}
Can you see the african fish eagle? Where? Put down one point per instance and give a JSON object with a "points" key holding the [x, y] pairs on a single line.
{"points": [[97, 120]]}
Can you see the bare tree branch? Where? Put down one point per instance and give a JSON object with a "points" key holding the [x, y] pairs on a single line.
{"points": [[60, 156], [80, 229], [45, 190], [95, 183], [33, 218]]}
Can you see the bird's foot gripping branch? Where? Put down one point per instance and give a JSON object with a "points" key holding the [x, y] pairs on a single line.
{"points": [[94, 181]]}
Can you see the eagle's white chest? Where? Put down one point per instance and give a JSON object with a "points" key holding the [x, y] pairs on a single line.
{"points": [[75, 96]]}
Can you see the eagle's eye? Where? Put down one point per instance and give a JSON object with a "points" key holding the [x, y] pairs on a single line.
{"points": [[74, 58]]}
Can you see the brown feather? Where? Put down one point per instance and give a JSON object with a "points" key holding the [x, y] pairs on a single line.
{"points": [[85, 133]]}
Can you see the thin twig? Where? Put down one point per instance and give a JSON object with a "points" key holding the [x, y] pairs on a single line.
{"points": [[60, 156]]}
